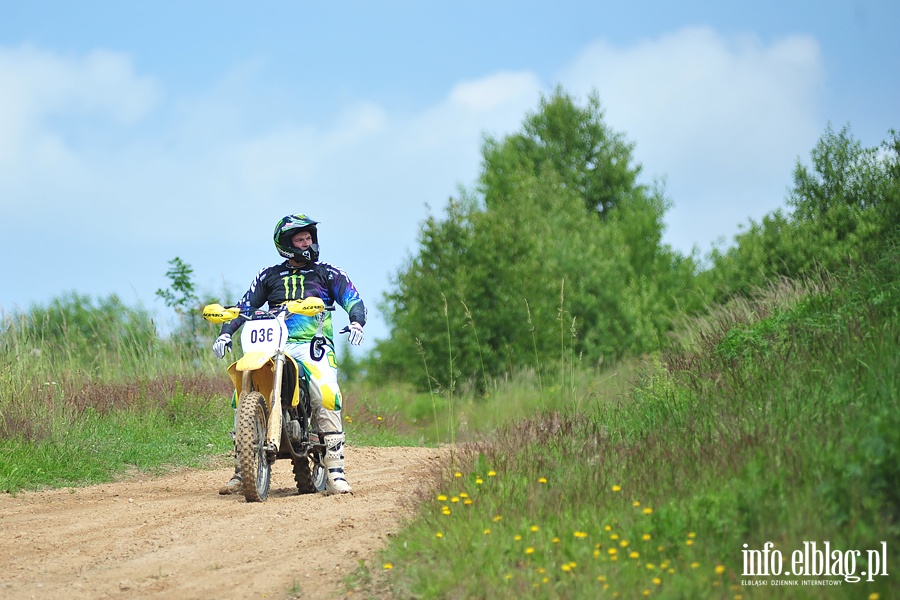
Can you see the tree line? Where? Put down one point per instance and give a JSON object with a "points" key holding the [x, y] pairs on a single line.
{"points": [[557, 251]]}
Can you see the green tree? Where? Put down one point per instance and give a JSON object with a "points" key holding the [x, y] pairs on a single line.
{"points": [[180, 295], [557, 253], [842, 210]]}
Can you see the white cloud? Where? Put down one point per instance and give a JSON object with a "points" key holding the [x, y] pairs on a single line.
{"points": [[50, 105], [206, 176], [722, 119]]}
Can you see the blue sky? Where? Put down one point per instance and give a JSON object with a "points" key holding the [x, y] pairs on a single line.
{"points": [[134, 132]]}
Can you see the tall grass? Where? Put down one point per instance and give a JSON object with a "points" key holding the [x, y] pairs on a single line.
{"points": [[776, 420], [89, 390]]}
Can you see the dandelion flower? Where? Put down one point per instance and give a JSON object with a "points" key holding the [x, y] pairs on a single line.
{"points": [[566, 568], [634, 554], [479, 481], [596, 552], [457, 474], [535, 528], [442, 498], [657, 580], [555, 540], [614, 536], [492, 473], [635, 503], [454, 499], [650, 566], [874, 596], [612, 551], [542, 480], [529, 550], [467, 501], [545, 579], [695, 565], [497, 518], [580, 534], [487, 532], [646, 592], [646, 537], [439, 534], [388, 566], [463, 495], [380, 419], [607, 528], [720, 569], [689, 543], [601, 578], [623, 543], [648, 511], [617, 488], [692, 535], [517, 537]]}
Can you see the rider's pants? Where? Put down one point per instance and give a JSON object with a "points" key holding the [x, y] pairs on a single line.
{"points": [[325, 394]]}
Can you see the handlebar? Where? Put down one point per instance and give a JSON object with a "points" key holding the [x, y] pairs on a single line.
{"points": [[310, 307]]}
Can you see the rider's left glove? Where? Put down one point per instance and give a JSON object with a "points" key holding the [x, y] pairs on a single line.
{"points": [[223, 343], [355, 335]]}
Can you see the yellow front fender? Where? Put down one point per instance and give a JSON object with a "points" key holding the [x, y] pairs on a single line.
{"points": [[252, 361], [263, 375]]}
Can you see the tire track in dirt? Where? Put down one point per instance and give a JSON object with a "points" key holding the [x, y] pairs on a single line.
{"points": [[174, 537]]}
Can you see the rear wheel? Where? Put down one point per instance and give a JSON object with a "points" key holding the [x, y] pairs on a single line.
{"points": [[250, 442], [309, 475]]}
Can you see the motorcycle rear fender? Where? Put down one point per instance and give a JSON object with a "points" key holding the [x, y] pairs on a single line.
{"points": [[263, 375]]}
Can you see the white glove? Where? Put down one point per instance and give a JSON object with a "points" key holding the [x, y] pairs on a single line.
{"points": [[355, 334], [223, 343]]}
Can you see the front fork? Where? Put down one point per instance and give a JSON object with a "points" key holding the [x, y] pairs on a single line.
{"points": [[274, 422]]}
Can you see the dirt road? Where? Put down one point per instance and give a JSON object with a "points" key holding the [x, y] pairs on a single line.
{"points": [[175, 537]]}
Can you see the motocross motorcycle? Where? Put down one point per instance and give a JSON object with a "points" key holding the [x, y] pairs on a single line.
{"points": [[273, 418]]}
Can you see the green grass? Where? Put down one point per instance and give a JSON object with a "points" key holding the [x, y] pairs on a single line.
{"points": [[769, 419], [779, 426]]}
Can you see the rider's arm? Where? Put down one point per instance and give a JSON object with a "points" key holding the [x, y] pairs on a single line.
{"points": [[347, 296], [255, 297]]}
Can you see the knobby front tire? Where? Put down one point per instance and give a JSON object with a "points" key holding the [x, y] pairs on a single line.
{"points": [[250, 442]]}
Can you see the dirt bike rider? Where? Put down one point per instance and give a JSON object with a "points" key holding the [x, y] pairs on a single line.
{"points": [[301, 276]]}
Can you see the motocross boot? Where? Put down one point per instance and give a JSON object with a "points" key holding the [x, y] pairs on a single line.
{"points": [[235, 484], [335, 480]]}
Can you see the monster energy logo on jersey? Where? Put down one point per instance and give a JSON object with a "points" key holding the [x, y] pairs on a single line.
{"points": [[290, 286]]}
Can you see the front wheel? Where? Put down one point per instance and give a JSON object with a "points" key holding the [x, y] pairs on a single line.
{"points": [[250, 444]]}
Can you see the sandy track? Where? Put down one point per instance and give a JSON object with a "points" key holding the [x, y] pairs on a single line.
{"points": [[175, 537]]}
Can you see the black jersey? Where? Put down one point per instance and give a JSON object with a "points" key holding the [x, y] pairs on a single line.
{"points": [[276, 284]]}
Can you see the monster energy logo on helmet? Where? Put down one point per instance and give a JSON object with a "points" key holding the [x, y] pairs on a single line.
{"points": [[286, 228]]}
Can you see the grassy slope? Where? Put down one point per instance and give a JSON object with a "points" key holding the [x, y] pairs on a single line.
{"points": [[781, 425]]}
